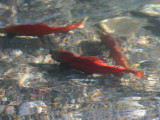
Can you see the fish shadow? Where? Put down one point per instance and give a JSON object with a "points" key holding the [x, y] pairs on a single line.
{"points": [[62, 72], [91, 48], [65, 74], [26, 42]]}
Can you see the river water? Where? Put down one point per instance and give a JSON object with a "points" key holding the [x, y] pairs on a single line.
{"points": [[32, 86]]}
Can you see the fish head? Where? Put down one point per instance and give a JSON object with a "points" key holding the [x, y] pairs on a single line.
{"points": [[62, 55], [2, 30], [66, 56], [55, 54]]}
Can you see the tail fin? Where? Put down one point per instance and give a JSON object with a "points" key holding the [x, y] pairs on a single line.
{"points": [[83, 22], [77, 25], [138, 74], [67, 28]]}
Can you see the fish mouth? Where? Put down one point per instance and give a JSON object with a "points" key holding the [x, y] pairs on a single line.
{"points": [[2, 30], [54, 54]]}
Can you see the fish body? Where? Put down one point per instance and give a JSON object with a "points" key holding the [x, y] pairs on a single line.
{"points": [[92, 64], [115, 50], [28, 29], [38, 29]]}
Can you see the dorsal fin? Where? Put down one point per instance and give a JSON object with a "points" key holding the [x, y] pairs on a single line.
{"points": [[43, 24], [53, 27], [96, 60]]}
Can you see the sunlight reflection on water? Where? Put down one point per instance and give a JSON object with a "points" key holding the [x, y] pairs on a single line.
{"points": [[31, 81]]}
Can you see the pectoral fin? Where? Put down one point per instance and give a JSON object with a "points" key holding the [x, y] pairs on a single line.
{"points": [[10, 35]]}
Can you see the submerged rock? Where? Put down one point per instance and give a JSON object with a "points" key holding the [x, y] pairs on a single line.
{"points": [[149, 64], [153, 26], [151, 9], [147, 11], [33, 107], [123, 26]]}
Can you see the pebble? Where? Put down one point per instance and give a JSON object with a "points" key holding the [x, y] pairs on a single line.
{"points": [[2, 108], [33, 107], [10, 110], [16, 53], [4, 99]]}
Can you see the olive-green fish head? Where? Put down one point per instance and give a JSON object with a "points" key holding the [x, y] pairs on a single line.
{"points": [[2, 30], [55, 54]]}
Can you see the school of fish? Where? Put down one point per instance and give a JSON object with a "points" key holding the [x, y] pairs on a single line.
{"points": [[88, 64]]}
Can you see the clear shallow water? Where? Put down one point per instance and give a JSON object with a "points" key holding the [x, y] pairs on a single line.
{"points": [[33, 87]]}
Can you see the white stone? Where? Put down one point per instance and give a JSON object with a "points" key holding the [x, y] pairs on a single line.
{"points": [[16, 52], [33, 107], [4, 99]]}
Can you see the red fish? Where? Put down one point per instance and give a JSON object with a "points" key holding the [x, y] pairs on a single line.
{"points": [[90, 64], [38, 29], [115, 50]]}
